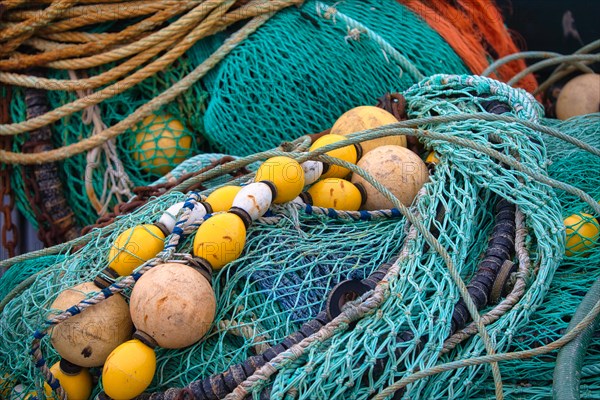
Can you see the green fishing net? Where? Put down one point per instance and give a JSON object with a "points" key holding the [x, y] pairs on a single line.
{"points": [[295, 255], [532, 378], [295, 75]]}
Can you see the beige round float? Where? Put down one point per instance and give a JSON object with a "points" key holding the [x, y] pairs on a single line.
{"points": [[88, 338], [398, 169], [367, 117], [174, 304]]}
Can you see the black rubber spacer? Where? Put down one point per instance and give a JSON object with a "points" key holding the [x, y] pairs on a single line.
{"points": [[343, 293], [359, 151], [207, 207], [363, 193], [306, 198], [69, 368], [145, 338], [103, 282], [243, 214], [162, 228]]}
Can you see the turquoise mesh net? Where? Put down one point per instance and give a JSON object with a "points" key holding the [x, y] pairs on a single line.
{"points": [[295, 75], [293, 258]]}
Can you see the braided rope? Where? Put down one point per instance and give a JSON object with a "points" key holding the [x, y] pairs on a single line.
{"points": [[568, 65], [16, 34], [517, 355], [353, 311], [330, 12], [182, 228]]}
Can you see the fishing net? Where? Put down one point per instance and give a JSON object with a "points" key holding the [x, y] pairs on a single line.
{"points": [[294, 72], [295, 255], [532, 378]]}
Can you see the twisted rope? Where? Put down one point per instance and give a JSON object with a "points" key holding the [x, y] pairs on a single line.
{"points": [[330, 12], [352, 312], [182, 228]]}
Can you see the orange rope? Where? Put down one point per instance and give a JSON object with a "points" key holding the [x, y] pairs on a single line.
{"points": [[475, 30]]}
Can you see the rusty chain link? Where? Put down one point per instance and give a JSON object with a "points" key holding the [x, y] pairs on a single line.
{"points": [[10, 233]]}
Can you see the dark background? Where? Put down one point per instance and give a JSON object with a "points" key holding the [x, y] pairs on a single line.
{"points": [[539, 23]]}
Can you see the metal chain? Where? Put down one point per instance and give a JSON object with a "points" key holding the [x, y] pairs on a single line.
{"points": [[9, 229]]}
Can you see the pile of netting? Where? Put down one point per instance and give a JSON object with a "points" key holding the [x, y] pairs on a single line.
{"points": [[293, 68], [396, 333], [532, 378]]}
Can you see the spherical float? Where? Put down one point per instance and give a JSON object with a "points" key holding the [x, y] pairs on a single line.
{"points": [[582, 232], [286, 174], [161, 142], [581, 95], [135, 246], [222, 198], [335, 193], [398, 169], [76, 384], [346, 153], [220, 239], [86, 339], [174, 304], [129, 370], [367, 117]]}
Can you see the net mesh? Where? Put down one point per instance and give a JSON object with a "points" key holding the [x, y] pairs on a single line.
{"points": [[273, 74], [532, 378], [293, 258]]}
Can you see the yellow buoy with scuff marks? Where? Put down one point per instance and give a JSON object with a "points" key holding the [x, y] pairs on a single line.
{"points": [[76, 384], [135, 246], [220, 239], [286, 174], [346, 153], [335, 193], [129, 370], [222, 198]]}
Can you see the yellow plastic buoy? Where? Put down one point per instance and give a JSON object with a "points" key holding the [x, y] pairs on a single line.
{"points": [[336, 193], [86, 339], [581, 95], [222, 198], [174, 304], [432, 158], [346, 153], [220, 239], [161, 142], [582, 232], [128, 370], [367, 117], [76, 384], [398, 169], [286, 174], [135, 246]]}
